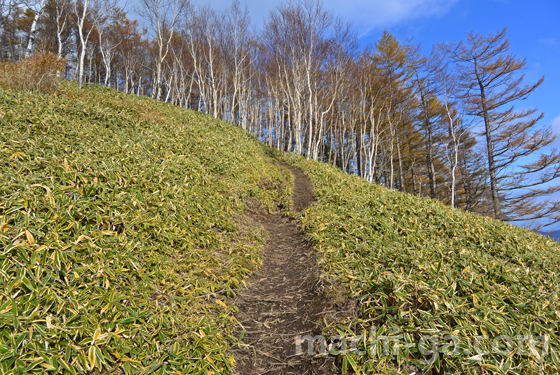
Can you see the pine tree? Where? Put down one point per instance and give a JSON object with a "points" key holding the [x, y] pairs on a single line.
{"points": [[520, 172]]}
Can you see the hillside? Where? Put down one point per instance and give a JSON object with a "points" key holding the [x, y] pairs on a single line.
{"points": [[439, 290], [124, 234]]}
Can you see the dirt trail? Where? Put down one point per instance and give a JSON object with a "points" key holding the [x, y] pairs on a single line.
{"points": [[282, 301]]}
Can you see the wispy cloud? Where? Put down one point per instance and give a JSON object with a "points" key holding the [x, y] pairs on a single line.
{"points": [[556, 124], [366, 15], [548, 41]]}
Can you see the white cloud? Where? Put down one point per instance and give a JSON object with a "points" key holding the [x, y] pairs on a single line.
{"points": [[258, 10], [373, 14], [556, 125], [366, 15], [548, 41]]}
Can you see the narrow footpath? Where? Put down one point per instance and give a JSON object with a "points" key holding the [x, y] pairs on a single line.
{"points": [[281, 302]]}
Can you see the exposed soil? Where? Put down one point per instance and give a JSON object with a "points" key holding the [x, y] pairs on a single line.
{"points": [[282, 300]]}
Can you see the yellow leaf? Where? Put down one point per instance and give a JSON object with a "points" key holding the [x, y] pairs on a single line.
{"points": [[466, 269], [30, 238], [48, 366], [79, 239], [221, 303], [534, 351], [96, 334], [92, 357]]}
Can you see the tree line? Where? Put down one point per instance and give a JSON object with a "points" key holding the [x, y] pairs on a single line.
{"points": [[442, 125]]}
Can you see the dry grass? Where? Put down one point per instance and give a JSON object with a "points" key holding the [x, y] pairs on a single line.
{"points": [[37, 73]]}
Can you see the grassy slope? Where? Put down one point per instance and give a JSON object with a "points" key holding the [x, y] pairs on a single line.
{"points": [[420, 268], [119, 219]]}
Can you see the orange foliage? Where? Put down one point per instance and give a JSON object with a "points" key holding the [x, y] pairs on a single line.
{"points": [[37, 73]]}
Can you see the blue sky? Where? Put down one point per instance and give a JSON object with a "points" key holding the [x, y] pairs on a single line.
{"points": [[533, 32]]}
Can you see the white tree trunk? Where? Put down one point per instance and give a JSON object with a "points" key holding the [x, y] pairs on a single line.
{"points": [[33, 31]]}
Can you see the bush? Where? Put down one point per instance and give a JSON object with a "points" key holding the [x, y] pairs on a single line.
{"points": [[37, 73]]}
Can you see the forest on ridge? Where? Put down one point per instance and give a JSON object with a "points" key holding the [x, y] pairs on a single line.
{"points": [[441, 125]]}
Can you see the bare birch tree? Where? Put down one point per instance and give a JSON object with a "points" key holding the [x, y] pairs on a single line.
{"points": [[33, 31], [94, 10], [62, 9], [294, 34], [162, 17], [109, 39]]}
